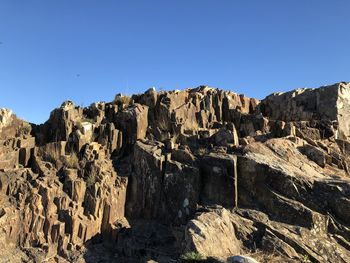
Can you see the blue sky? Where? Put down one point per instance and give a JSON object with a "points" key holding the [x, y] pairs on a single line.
{"points": [[89, 51]]}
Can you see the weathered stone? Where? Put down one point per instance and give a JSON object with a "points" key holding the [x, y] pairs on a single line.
{"points": [[61, 122], [153, 174], [219, 179], [180, 192], [225, 137], [5, 117], [133, 122], [145, 181], [211, 234], [315, 154], [328, 102]]}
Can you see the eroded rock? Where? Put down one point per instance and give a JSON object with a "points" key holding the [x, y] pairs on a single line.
{"points": [[201, 171]]}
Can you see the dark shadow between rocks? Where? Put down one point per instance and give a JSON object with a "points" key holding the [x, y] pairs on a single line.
{"points": [[143, 242]]}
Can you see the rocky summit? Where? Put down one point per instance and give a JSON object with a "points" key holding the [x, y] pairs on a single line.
{"points": [[198, 175]]}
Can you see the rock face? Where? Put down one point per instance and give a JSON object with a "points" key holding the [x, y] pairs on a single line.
{"points": [[330, 104], [205, 232], [176, 175]]}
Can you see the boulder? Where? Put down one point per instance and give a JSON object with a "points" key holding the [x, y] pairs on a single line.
{"points": [[212, 234]]}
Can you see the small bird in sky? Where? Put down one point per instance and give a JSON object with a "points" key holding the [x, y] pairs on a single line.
{"points": [[78, 75]]}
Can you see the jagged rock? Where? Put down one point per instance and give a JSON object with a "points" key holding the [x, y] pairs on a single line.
{"points": [[326, 103], [60, 211], [226, 137], [145, 181], [98, 110], [110, 137], [122, 101], [133, 123], [61, 122], [5, 117], [159, 174], [16, 143]]}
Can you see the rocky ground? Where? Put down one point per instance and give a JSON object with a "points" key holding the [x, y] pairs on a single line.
{"points": [[181, 176]]}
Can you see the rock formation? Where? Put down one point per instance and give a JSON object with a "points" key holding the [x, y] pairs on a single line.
{"points": [[178, 175]]}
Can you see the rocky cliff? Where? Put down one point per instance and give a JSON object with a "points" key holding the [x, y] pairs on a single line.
{"points": [[173, 176]]}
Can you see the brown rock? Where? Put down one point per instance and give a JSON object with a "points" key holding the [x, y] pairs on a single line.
{"points": [[211, 234]]}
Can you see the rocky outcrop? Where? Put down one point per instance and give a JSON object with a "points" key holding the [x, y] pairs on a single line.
{"points": [[6, 116], [166, 176], [329, 104], [60, 210], [16, 143]]}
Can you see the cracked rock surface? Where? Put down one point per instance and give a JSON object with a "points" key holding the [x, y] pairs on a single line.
{"points": [[159, 176]]}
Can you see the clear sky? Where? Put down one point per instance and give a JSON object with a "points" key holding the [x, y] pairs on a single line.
{"points": [[89, 51]]}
